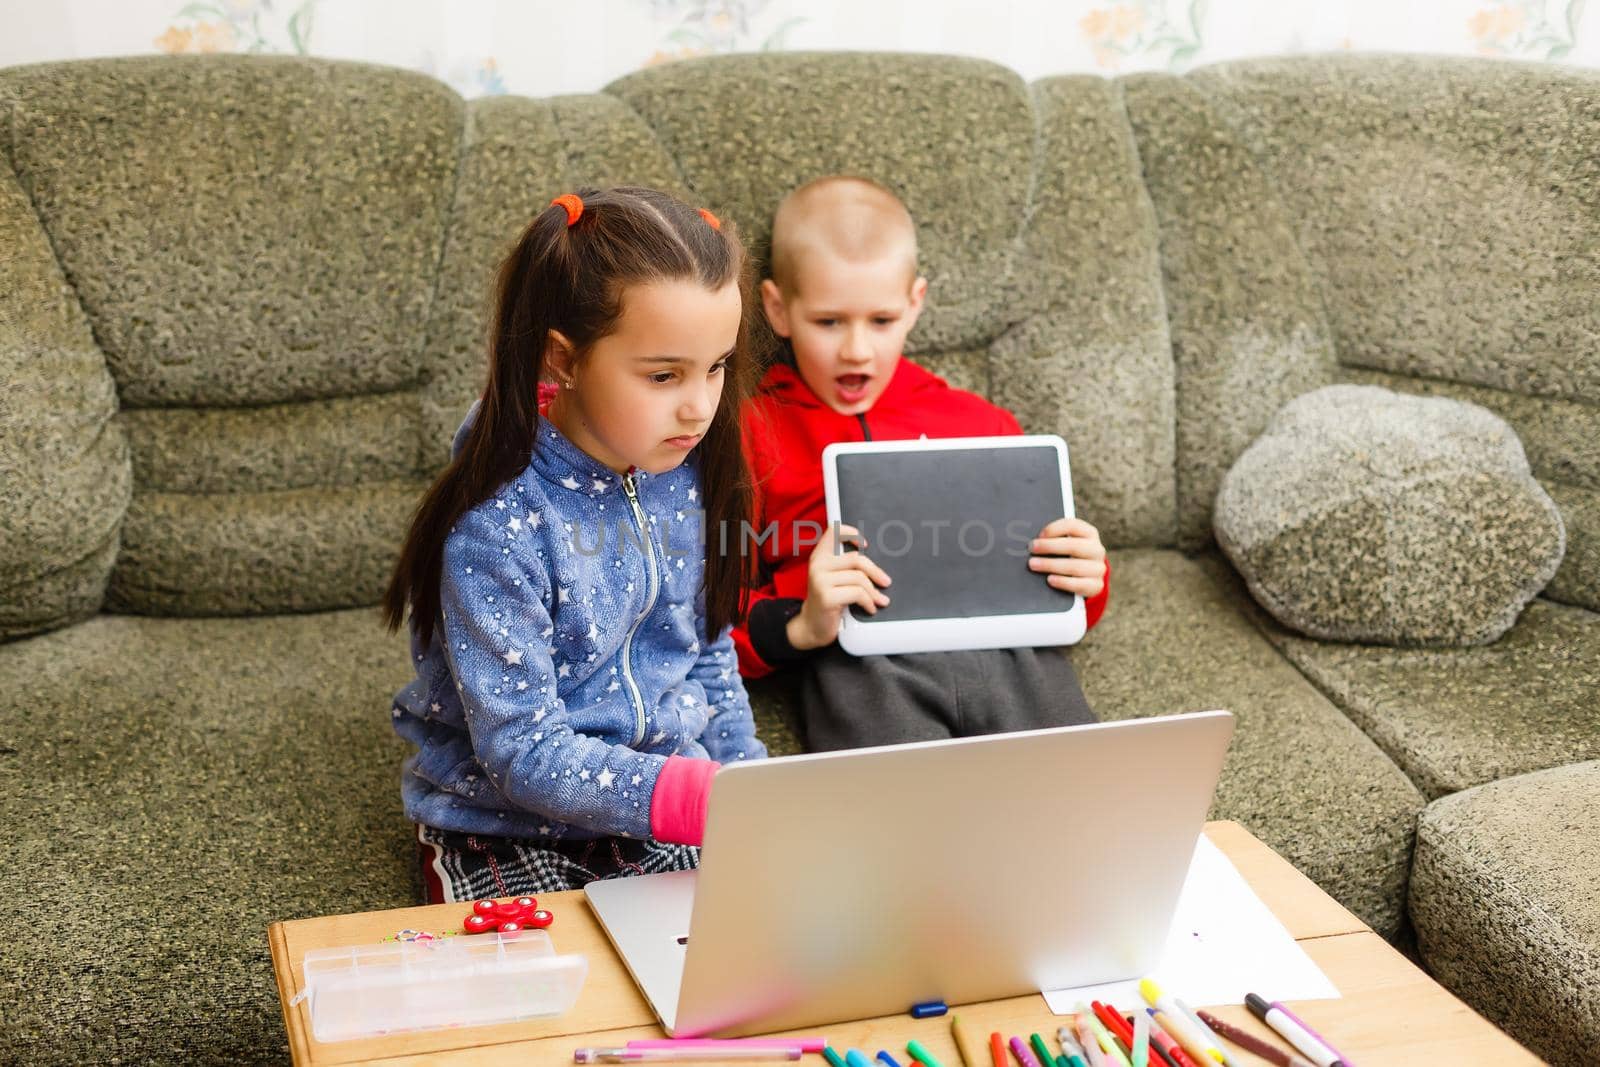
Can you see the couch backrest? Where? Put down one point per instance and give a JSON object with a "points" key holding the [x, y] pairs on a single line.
{"points": [[284, 266], [254, 242], [1433, 222]]}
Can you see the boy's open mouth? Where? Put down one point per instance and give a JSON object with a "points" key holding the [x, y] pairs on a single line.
{"points": [[853, 386]]}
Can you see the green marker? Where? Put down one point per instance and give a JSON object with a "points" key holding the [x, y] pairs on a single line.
{"points": [[920, 1054], [1041, 1049], [833, 1058]]}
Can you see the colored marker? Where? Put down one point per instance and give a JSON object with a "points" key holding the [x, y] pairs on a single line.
{"points": [[1115, 1021], [1102, 1036], [1293, 1029], [854, 1058], [886, 1059], [1087, 1042], [1139, 1052], [833, 1057], [928, 1009], [1251, 1043], [1162, 1042], [1196, 1041], [958, 1035], [1071, 1050], [997, 1049], [1213, 1042], [1024, 1055], [920, 1054], [1041, 1050]]}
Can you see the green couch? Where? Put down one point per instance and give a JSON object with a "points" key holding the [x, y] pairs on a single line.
{"points": [[241, 309]]}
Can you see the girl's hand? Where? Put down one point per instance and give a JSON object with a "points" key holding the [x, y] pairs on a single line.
{"points": [[1069, 554], [835, 582]]}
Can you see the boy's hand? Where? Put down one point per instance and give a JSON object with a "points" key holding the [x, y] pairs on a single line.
{"points": [[833, 584], [1069, 553]]}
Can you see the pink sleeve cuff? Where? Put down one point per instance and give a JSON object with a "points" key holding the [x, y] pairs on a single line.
{"points": [[678, 804]]}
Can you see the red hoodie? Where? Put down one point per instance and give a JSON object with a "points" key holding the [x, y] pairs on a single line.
{"points": [[785, 430]]}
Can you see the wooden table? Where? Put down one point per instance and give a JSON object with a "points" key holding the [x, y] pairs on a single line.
{"points": [[1391, 1012]]}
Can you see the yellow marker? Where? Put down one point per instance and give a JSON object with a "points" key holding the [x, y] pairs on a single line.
{"points": [[1195, 1037]]}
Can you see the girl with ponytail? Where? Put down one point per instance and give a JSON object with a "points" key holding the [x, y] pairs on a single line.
{"points": [[570, 577]]}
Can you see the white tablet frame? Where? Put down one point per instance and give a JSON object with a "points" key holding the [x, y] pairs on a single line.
{"points": [[953, 634]]}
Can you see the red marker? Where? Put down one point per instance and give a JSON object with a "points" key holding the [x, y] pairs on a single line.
{"points": [[997, 1049]]}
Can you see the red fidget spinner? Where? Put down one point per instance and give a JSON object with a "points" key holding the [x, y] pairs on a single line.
{"points": [[506, 916]]}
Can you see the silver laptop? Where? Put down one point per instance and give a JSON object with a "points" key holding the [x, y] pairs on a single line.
{"points": [[847, 885]]}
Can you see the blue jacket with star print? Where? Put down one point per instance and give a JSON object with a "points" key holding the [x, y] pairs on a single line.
{"points": [[568, 663]]}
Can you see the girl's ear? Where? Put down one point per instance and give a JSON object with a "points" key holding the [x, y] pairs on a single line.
{"points": [[559, 359], [772, 304]]}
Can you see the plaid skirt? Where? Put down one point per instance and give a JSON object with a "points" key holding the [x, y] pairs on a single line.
{"points": [[465, 867]]}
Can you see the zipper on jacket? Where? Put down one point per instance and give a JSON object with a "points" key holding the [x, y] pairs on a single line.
{"points": [[866, 434], [627, 644]]}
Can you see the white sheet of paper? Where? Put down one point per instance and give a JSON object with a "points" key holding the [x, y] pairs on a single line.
{"points": [[1224, 944]]}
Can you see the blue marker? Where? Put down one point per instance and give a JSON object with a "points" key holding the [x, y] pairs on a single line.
{"points": [[855, 1059], [886, 1059], [928, 1009]]}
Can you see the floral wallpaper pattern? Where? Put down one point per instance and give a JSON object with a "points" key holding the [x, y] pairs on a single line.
{"points": [[541, 47]]}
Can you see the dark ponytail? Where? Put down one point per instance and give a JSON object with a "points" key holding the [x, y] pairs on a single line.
{"points": [[571, 279]]}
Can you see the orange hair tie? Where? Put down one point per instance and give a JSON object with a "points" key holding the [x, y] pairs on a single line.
{"points": [[711, 220], [573, 204]]}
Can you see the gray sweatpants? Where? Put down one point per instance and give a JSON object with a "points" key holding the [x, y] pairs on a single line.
{"points": [[855, 701]]}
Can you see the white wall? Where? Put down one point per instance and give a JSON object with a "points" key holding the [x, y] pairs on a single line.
{"points": [[540, 47]]}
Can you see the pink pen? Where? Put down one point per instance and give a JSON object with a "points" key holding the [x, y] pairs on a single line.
{"points": [[683, 1055], [804, 1044], [1024, 1054]]}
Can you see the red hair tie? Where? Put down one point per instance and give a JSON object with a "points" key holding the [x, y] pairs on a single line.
{"points": [[573, 204], [711, 220]]}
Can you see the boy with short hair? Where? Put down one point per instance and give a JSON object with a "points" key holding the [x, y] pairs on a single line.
{"points": [[845, 293]]}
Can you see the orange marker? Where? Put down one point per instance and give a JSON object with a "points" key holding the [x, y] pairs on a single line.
{"points": [[997, 1049]]}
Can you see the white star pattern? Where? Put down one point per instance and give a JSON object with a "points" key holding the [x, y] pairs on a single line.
{"points": [[521, 686], [570, 482], [637, 779], [594, 632], [533, 520], [599, 486], [564, 671], [694, 494], [513, 657], [539, 714], [661, 735], [515, 524], [584, 774], [605, 778]]}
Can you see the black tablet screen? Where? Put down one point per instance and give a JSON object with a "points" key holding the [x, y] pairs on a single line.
{"points": [[952, 527]]}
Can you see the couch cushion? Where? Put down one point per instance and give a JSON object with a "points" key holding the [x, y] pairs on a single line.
{"points": [[260, 553], [1505, 906], [1562, 441], [1365, 515], [1248, 328], [1299, 774], [64, 474], [242, 230], [1458, 717], [169, 787], [255, 241], [1092, 360], [1446, 206]]}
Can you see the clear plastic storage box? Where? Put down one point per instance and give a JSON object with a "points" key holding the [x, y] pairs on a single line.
{"points": [[466, 980]]}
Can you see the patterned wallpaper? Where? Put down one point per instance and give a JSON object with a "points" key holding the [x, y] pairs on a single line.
{"points": [[539, 47]]}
